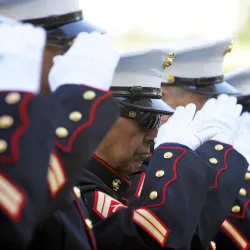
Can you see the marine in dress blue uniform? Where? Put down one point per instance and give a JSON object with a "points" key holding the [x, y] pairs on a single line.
{"points": [[235, 233], [198, 68], [175, 186], [42, 140]]}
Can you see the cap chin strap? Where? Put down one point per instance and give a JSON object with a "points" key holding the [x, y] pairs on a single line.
{"points": [[137, 92], [195, 81]]}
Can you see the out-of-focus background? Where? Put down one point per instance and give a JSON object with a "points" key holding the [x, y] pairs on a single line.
{"points": [[137, 23]]}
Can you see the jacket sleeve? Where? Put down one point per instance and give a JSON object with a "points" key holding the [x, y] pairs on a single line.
{"points": [[169, 204], [84, 116], [229, 169], [39, 136], [235, 232]]}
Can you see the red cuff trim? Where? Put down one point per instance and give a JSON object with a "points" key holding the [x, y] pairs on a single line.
{"points": [[175, 174], [14, 142], [85, 125], [243, 212], [215, 185]]}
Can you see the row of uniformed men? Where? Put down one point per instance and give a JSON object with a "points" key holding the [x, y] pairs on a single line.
{"points": [[181, 200]]}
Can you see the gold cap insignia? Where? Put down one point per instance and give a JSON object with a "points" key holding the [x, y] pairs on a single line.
{"points": [[229, 48], [169, 61]]}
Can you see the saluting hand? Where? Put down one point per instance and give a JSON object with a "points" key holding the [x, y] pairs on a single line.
{"points": [[91, 61], [21, 57]]}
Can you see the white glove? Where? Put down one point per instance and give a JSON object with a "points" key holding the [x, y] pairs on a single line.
{"points": [[241, 143], [185, 128], [91, 60], [21, 57], [225, 118]]}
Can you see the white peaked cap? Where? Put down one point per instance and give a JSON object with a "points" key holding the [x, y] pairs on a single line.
{"points": [[197, 58], [142, 67], [33, 9], [240, 79]]}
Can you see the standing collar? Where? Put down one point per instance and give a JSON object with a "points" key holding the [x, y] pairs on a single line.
{"points": [[114, 181]]}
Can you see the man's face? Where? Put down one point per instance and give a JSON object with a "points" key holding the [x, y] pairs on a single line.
{"points": [[126, 146]]}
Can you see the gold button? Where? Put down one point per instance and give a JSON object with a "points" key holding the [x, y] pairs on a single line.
{"points": [[75, 116], [153, 195], [247, 176], [62, 132], [170, 79], [12, 98], [3, 146], [213, 245], [168, 155], [213, 160], [6, 121], [218, 147], [77, 192], [89, 223], [160, 173], [243, 192], [89, 95], [235, 209]]}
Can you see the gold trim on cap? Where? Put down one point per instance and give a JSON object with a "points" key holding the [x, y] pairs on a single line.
{"points": [[229, 48], [169, 60]]}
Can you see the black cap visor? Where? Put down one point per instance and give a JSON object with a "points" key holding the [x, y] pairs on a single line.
{"points": [[61, 30], [157, 106], [213, 86], [214, 90]]}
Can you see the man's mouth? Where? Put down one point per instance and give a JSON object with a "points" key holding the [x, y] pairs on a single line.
{"points": [[143, 156]]}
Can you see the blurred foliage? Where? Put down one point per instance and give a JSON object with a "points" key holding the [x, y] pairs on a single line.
{"points": [[239, 57], [244, 34]]}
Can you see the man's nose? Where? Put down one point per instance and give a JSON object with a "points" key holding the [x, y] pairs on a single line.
{"points": [[151, 135]]}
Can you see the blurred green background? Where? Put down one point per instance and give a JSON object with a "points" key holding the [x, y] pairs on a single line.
{"points": [[137, 23]]}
